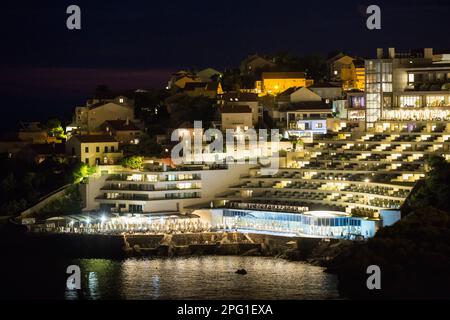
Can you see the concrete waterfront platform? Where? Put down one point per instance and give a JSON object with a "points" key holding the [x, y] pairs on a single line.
{"points": [[169, 245]]}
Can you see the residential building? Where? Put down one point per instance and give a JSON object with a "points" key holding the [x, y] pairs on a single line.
{"points": [[274, 83], [254, 63], [206, 75], [180, 79], [237, 98], [300, 111], [206, 89], [297, 94], [33, 132], [347, 71], [90, 118], [305, 118], [124, 131], [236, 117], [94, 149], [105, 96], [327, 91]]}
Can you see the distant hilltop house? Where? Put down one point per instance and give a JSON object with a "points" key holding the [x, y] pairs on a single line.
{"points": [[181, 78], [206, 89], [237, 98], [236, 117], [300, 111], [255, 62], [206, 75], [274, 83], [347, 71], [297, 94], [94, 149], [90, 118], [124, 131], [33, 132]]}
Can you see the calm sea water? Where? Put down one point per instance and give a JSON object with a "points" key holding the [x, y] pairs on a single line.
{"points": [[209, 277]]}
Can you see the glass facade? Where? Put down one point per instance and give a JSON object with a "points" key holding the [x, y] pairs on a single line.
{"points": [[436, 101], [378, 89], [294, 223], [409, 101]]}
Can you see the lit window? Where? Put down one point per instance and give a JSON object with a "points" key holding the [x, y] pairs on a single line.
{"points": [[410, 77], [121, 100], [410, 101], [435, 101]]}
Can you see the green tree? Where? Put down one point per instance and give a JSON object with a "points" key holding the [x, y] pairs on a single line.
{"points": [[132, 162], [81, 171], [55, 129], [434, 191]]}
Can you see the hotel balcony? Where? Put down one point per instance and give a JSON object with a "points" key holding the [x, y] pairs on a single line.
{"points": [[131, 198], [140, 178], [129, 188]]}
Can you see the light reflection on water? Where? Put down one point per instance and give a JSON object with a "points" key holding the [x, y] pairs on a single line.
{"points": [[211, 277]]}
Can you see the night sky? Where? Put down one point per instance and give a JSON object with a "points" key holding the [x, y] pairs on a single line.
{"points": [[47, 69]]}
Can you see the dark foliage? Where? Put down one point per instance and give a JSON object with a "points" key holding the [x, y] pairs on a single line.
{"points": [[413, 254]]}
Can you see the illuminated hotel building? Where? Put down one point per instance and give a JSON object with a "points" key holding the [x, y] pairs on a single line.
{"points": [[156, 188], [407, 86], [349, 180], [346, 182]]}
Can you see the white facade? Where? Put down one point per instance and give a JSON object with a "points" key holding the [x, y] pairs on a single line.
{"points": [[128, 191]]}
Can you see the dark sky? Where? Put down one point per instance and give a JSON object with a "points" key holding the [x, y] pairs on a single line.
{"points": [[47, 69]]}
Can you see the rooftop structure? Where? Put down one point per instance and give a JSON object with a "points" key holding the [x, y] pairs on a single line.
{"points": [[156, 188], [407, 86]]}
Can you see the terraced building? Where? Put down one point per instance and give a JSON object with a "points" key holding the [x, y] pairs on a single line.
{"points": [[348, 182]]}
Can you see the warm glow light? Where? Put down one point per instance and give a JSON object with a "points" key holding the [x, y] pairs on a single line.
{"points": [[326, 214]]}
